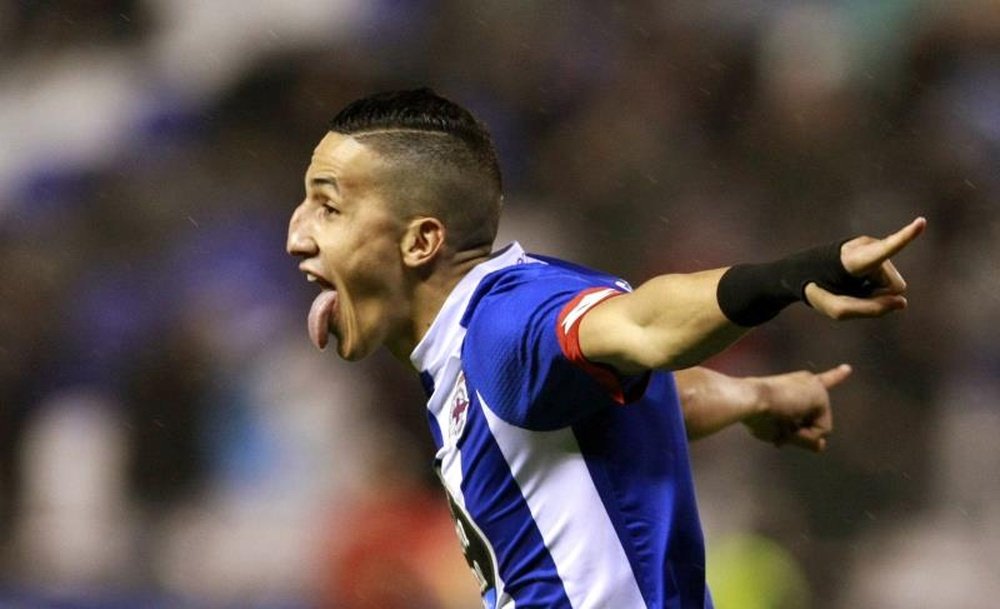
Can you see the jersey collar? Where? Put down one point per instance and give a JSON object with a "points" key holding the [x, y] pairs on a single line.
{"points": [[446, 332]]}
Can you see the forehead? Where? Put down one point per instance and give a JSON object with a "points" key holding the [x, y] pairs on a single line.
{"points": [[342, 156]]}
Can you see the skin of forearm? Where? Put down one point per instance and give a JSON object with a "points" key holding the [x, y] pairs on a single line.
{"points": [[712, 401]]}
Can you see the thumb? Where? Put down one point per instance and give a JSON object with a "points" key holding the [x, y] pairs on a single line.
{"points": [[835, 376]]}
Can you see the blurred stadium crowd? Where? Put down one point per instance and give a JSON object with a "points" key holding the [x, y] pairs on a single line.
{"points": [[169, 438]]}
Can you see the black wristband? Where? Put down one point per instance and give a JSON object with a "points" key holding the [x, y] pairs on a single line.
{"points": [[750, 294]]}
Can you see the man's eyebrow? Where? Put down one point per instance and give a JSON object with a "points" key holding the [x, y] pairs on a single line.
{"points": [[325, 181]]}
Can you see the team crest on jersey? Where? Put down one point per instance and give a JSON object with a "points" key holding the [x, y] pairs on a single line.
{"points": [[459, 409]]}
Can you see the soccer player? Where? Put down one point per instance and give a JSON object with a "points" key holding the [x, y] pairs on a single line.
{"points": [[560, 423]]}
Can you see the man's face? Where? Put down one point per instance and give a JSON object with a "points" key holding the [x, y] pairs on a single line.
{"points": [[348, 238]]}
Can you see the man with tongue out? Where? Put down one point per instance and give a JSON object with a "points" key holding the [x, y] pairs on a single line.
{"points": [[560, 399]]}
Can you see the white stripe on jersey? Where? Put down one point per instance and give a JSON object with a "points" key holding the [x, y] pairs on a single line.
{"points": [[451, 459], [439, 354], [552, 474], [585, 304]]}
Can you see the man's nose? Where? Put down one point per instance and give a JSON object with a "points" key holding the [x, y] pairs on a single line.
{"points": [[299, 242]]}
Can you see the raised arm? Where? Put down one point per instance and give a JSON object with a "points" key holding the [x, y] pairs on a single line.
{"points": [[678, 321]]}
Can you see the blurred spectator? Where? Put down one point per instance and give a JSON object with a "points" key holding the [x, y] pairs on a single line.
{"points": [[753, 572], [76, 527], [401, 551]]}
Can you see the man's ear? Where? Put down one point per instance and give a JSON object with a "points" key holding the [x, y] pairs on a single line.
{"points": [[422, 241]]}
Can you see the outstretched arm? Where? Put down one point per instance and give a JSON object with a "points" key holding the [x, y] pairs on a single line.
{"points": [[678, 321], [792, 408]]}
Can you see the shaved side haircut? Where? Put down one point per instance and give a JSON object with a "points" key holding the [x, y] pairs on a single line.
{"points": [[439, 160]]}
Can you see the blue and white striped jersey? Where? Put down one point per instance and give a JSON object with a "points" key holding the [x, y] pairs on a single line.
{"points": [[570, 484]]}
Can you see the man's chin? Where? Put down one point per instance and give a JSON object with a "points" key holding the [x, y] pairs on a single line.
{"points": [[351, 351], [351, 357]]}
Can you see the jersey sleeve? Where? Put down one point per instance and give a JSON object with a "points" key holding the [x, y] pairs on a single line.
{"points": [[621, 389], [522, 348]]}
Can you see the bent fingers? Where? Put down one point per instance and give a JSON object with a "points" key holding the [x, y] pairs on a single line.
{"points": [[840, 307]]}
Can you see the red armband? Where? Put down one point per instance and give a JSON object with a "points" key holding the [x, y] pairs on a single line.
{"points": [[568, 334]]}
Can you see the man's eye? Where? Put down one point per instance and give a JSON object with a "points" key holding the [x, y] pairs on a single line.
{"points": [[330, 210]]}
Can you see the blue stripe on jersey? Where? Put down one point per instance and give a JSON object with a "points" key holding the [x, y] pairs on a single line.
{"points": [[435, 430], [637, 458], [512, 352], [494, 501], [427, 382], [585, 271]]}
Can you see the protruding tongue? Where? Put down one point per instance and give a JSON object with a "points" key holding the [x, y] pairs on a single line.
{"points": [[319, 317]]}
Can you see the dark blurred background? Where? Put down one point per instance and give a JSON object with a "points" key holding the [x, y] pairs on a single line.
{"points": [[169, 438]]}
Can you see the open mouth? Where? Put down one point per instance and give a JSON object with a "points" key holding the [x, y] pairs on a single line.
{"points": [[322, 283]]}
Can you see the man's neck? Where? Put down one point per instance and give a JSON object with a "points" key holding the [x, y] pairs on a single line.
{"points": [[430, 294]]}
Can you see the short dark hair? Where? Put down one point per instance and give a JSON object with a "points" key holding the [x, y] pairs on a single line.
{"points": [[442, 159]]}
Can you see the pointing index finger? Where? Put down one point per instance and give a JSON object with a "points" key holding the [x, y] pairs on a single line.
{"points": [[863, 255], [834, 376], [895, 242]]}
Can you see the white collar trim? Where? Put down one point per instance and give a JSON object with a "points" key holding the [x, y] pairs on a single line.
{"points": [[445, 333]]}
